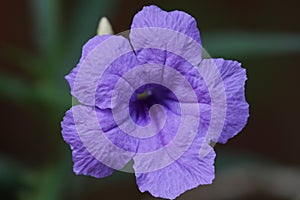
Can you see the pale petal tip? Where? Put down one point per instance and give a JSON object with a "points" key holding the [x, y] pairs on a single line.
{"points": [[104, 27]]}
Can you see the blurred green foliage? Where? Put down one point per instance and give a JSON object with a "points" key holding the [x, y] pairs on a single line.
{"points": [[58, 41], [251, 45]]}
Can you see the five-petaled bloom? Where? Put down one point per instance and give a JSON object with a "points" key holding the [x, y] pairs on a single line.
{"points": [[120, 82]]}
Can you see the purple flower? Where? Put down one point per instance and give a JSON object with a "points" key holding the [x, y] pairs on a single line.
{"points": [[154, 100]]}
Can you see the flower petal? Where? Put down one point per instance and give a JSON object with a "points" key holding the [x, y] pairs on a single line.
{"points": [[164, 136], [233, 78], [153, 16], [110, 77], [115, 135], [179, 91], [84, 131], [176, 32], [97, 57], [189, 71], [183, 174], [84, 162], [86, 49]]}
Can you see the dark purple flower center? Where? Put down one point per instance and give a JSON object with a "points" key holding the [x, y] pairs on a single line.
{"points": [[148, 95]]}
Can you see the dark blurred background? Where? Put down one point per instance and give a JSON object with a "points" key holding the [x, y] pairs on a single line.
{"points": [[40, 42]]}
